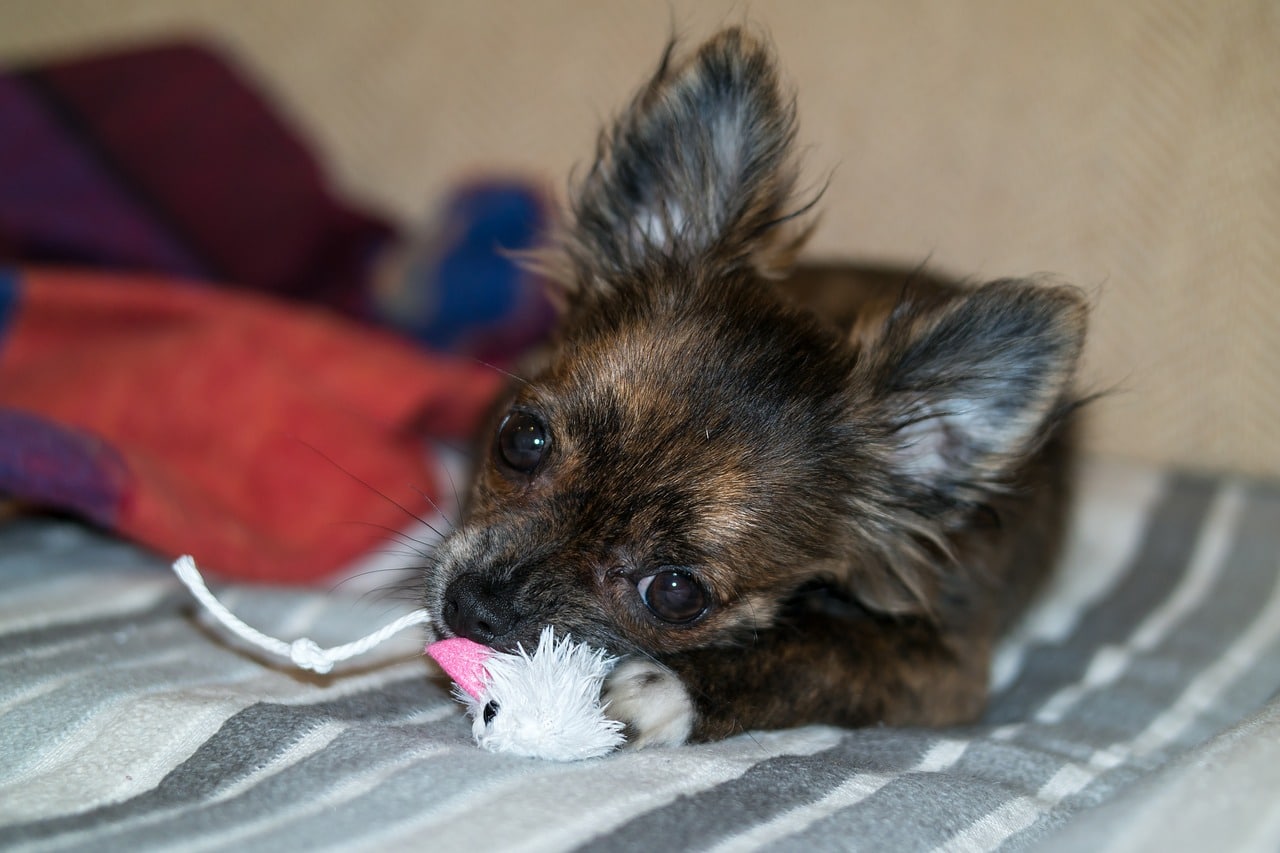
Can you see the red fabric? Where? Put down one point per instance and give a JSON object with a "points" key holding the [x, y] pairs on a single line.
{"points": [[267, 439]]}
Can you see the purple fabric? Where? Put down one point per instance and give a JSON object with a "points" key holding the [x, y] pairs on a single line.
{"points": [[58, 204], [52, 465], [166, 160]]}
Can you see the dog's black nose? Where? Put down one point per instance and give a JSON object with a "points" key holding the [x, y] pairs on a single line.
{"points": [[477, 609]]}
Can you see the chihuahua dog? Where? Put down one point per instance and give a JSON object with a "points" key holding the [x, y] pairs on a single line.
{"points": [[773, 516]]}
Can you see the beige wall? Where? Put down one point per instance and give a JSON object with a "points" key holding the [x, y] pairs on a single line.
{"points": [[1131, 147]]}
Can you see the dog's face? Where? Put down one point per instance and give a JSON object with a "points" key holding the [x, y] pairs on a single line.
{"points": [[661, 483], [695, 448]]}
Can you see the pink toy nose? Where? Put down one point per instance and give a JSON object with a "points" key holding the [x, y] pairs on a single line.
{"points": [[463, 661]]}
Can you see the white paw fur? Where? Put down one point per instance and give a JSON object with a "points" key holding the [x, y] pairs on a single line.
{"points": [[651, 701]]}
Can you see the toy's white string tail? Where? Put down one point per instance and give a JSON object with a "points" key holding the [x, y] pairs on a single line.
{"points": [[304, 652]]}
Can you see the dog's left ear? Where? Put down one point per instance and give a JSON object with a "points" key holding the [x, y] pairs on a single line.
{"points": [[956, 394], [974, 386], [697, 171]]}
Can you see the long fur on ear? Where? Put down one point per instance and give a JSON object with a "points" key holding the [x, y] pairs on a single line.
{"points": [[983, 383], [697, 170], [976, 387], [962, 391]]}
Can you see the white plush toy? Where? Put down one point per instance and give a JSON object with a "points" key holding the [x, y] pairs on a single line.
{"points": [[543, 704]]}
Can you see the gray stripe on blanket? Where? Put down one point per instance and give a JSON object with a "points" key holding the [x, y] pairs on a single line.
{"points": [[168, 609], [30, 553], [765, 790]]}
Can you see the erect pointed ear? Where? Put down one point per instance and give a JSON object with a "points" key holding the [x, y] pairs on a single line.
{"points": [[696, 170], [974, 386]]}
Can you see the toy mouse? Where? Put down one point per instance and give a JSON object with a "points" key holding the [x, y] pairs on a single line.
{"points": [[545, 704], [541, 705]]}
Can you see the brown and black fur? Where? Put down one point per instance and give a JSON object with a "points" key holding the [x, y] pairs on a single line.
{"points": [[860, 503]]}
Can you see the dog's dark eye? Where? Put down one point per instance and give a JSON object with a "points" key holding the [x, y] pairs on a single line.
{"points": [[673, 596], [522, 441]]}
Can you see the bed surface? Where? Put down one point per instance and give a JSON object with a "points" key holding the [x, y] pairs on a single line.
{"points": [[1145, 680]]}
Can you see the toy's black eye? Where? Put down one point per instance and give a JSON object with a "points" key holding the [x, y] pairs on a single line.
{"points": [[522, 441], [673, 596]]}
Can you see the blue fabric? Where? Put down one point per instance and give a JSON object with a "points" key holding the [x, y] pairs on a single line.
{"points": [[9, 291], [462, 291]]}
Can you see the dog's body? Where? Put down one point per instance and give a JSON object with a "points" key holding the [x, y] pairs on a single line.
{"points": [[774, 518]]}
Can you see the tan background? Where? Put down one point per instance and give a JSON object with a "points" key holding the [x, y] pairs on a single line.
{"points": [[1132, 147]]}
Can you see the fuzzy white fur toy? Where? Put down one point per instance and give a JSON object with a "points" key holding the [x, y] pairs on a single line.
{"points": [[541, 704]]}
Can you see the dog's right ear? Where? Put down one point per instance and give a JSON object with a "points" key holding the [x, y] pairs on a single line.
{"points": [[696, 172]]}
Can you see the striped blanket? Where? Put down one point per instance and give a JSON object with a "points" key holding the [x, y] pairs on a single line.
{"points": [[1136, 707]]}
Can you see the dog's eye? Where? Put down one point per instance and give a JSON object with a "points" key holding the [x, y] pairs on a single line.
{"points": [[673, 596], [522, 441]]}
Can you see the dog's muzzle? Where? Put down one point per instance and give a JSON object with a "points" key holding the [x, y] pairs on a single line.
{"points": [[480, 610]]}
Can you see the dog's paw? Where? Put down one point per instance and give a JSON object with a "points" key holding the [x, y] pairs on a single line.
{"points": [[651, 701]]}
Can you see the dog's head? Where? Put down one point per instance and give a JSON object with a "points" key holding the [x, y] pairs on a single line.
{"points": [[695, 448]]}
